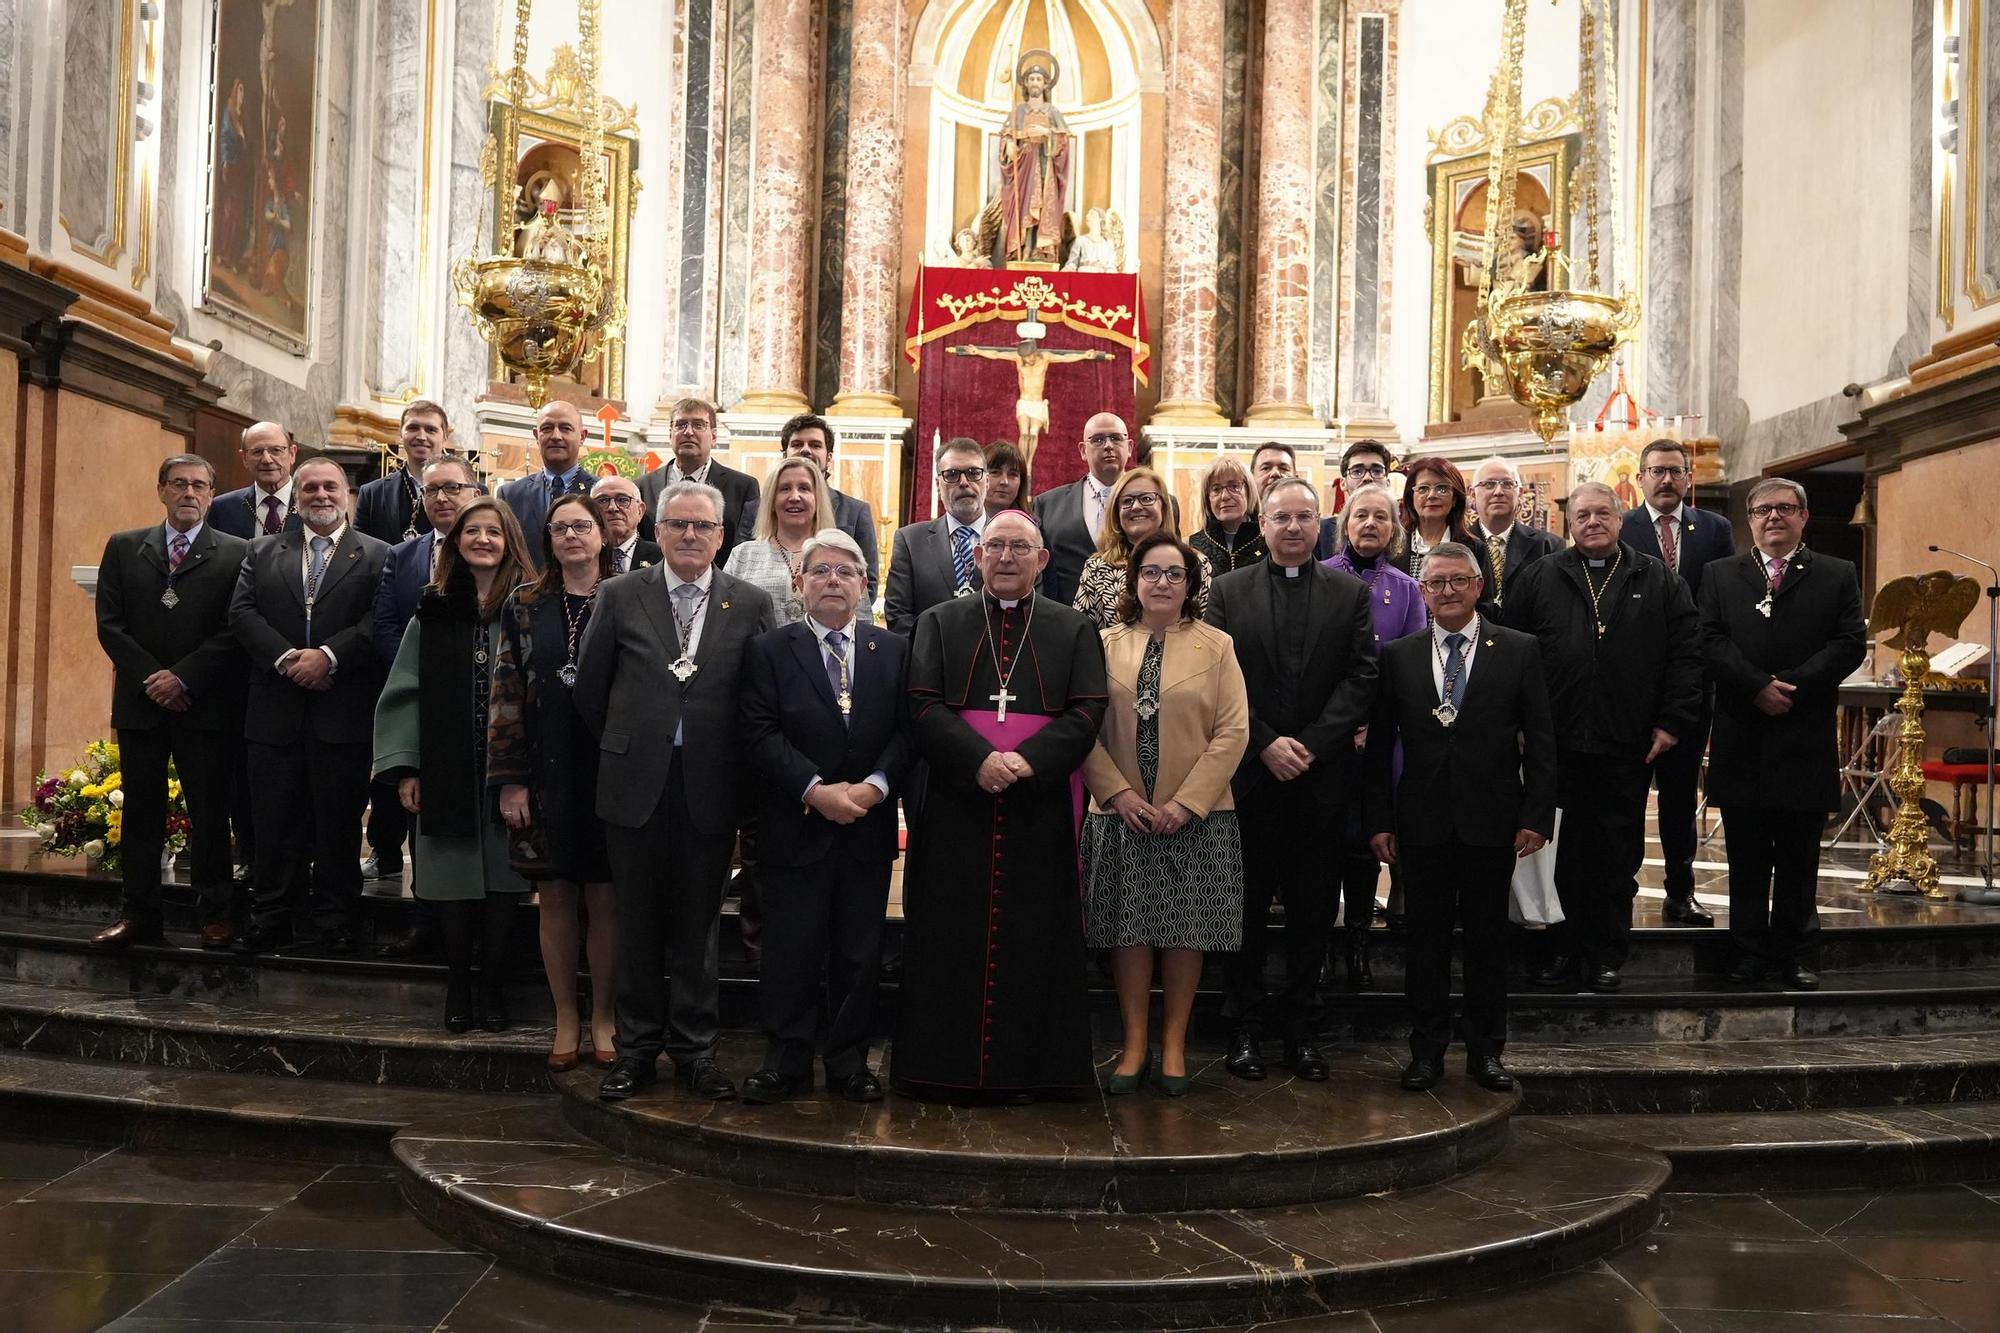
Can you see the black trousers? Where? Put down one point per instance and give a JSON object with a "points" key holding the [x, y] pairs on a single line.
{"points": [[201, 760], [1598, 853], [1677, 775], [1773, 882], [1283, 858], [388, 822], [826, 918], [307, 801], [667, 879], [1445, 884]]}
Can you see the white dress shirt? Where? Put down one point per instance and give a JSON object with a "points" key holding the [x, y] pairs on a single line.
{"points": [[305, 571], [1441, 651], [1654, 516], [1095, 494]]}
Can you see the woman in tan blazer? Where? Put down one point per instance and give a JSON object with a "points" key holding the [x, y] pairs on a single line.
{"points": [[1162, 860]]}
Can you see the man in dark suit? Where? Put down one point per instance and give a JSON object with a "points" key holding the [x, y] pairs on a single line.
{"points": [[810, 436], [826, 729], [1618, 635], [304, 611], [1781, 627], [933, 561], [1687, 540], [1307, 648], [1467, 705], [1362, 463], [163, 620], [559, 437], [390, 508], [1511, 545], [267, 504], [693, 426], [618, 500], [1071, 516], [657, 681]]}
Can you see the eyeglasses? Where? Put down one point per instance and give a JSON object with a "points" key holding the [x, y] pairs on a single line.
{"points": [[1304, 518], [1662, 473], [195, 484], [680, 526], [1145, 500], [574, 528], [1448, 582], [1783, 509], [1496, 484], [687, 425], [268, 451], [1365, 472], [1000, 548], [1107, 437], [437, 488], [1173, 575], [827, 571], [1227, 488], [616, 501], [1437, 488], [958, 476]]}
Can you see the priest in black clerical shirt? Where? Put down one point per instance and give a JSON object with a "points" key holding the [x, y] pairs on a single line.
{"points": [[1007, 692]]}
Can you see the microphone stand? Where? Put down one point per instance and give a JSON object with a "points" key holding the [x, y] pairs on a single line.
{"points": [[1990, 895]]}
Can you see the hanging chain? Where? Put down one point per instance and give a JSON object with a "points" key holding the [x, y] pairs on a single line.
{"points": [[1589, 163], [1621, 257], [596, 211], [1503, 115]]}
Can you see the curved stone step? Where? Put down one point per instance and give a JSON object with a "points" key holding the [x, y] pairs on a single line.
{"points": [[1227, 1144], [525, 1187]]}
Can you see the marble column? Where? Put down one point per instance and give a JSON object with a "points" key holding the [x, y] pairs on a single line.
{"points": [[872, 264], [1281, 314], [781, 209], [1191, 253]]}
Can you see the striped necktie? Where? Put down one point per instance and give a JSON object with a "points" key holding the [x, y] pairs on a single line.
{"points": [[961, 557]]}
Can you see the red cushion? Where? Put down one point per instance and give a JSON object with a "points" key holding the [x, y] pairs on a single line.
{"points": [[1954, 773]]}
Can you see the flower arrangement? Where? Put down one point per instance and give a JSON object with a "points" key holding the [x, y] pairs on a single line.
{"points": [[82, 812]]}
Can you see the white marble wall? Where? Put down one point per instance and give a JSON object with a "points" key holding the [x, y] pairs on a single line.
{"points": [[1670, 209], [465, 353], [393, 218], [92, 105], [9, 30]]}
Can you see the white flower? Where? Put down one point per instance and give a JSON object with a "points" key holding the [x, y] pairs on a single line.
{"points": [[117, 799], [94, 849], [78, 778]]}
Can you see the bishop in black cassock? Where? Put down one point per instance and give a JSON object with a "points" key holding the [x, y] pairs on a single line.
{"points": [[994, 966]]}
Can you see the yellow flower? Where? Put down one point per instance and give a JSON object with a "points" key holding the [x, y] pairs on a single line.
{"points": [[173, 789], [117, 779]]}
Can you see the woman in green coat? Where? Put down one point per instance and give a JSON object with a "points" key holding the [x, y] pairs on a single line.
{"points": [[430, 738]]}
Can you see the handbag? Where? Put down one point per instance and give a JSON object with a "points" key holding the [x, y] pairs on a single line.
{"points": [[1533, 901], [528, 848]]}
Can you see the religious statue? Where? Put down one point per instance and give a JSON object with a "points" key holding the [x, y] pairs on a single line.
{"points": [[544, 237], [1031, 365], [965, 251], [1034, 166], [1524, 258], [1100, 246], [1521, 266]]}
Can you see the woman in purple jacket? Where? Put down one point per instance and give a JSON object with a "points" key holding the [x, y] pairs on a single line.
{"points": [[1369, 544]]}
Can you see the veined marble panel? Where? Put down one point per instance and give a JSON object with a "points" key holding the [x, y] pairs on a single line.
{"points": [[466, 363], [829, 268], [1367, 336], [696, 248], [1235, 154], [1728, 417], [734, 343], [1669, 149], [8, 58], [167, 297], [1322, 363], [92, 103], [1917, 340], [394, 214]]}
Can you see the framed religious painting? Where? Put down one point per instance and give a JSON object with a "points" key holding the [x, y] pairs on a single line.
{"points": [[257, 252]]}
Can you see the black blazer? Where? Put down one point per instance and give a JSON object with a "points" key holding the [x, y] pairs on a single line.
{"points": [[1706, 537], [1525, 545], [235, 512], [1487, 776], [1337, 685], [192, 640], [1070, 543], [793, 733], [740, 493], [383, 508], [405, 571], [921, 574], [1814, 638], [268, 613]]}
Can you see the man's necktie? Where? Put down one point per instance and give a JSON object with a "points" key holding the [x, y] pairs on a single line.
{"points": [[322, 548], [177, 552], [1096, 516], [836, 662], [1454, 666], [274, 518], [1496, 554], [1777, 572], [618, 560], [1670, 547], [961, 558], [556, 490]]}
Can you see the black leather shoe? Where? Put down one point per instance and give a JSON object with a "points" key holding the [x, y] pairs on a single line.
{"points": [[1421, 1074], [629, 1075], [1800, 977], [1603, 980], [1360, 976], [1489, 1073], [339, 940], [1306, 1062], [1558, 974], [1245, 1060], [1681, 909], [418, 940], [861, 1086], [1747, 971], [457, 1007], [767, 1087], [703, 1079], [263, 940]]}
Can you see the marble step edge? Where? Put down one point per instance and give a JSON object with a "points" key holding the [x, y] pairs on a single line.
{"points": [[1145, 1156], [1546, 1205]]}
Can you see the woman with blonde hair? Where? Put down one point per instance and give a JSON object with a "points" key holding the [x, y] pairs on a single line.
{"points": [[1136, 508], [796, 502], [1229, 538]]}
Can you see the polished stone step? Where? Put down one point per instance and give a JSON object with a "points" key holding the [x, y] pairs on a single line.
{"points": [[156, 1106], [1227, 1143], [526, 1187]]}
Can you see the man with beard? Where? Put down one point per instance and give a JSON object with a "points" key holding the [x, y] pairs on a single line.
{"points": [[934, 561], [391, 508]]}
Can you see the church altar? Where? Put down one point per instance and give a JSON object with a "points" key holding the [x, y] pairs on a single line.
{"points": [[978, 397]]}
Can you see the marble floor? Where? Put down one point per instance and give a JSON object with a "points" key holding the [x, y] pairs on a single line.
{"points": [[134, 1240]]}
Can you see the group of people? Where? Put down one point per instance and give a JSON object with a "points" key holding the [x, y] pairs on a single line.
{"points": [[1104, 738]]}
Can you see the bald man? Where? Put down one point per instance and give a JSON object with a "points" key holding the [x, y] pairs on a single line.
{"points": [[1072, 515], [618, 498], [265, 505], [559, 438]]}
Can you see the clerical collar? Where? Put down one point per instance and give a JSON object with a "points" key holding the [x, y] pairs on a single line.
{"points": [[1597, 561], [1287, 571], [1005, 604]]}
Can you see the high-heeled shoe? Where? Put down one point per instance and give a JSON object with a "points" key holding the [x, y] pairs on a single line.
{"points": [[1118, 1085], [457, 1008], [1172, 1085], [604, 1057], [561, 1062]]}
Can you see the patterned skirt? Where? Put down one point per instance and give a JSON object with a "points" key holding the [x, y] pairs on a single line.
{"points": [[1180, 891]]}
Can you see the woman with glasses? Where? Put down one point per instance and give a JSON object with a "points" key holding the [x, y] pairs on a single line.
{"points": [[1229, 538], [543, 761], [1369, 544], [1435, 510], [430, 736], [1136, 509], [795, 504], [1162, 857], [1006, 478]]}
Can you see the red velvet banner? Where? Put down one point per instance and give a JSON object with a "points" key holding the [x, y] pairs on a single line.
{"points": [[973, 396]]}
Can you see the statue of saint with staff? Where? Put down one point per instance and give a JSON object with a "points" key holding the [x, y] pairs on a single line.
{"points": [[1034, 166]]}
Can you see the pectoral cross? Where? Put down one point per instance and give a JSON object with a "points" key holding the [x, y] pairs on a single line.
{"points": [[1002, 699]]}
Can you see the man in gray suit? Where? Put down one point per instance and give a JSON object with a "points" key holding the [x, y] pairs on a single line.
{"points": [[932, 562], [559, 437], [811, 436], [657, 682], [1071, 516]]}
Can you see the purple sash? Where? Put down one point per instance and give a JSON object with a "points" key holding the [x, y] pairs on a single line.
{"points": [[1008, 735]]}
